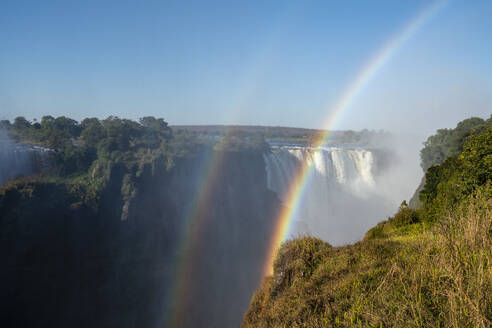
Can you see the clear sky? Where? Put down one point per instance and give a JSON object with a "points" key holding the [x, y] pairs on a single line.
{"points": [[245, 62]]}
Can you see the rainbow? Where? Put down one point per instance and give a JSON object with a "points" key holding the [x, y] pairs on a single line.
{"points": [[194, 224], [194, 228], [362, 79]]}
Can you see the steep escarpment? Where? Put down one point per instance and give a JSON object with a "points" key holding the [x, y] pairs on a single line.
{"points": [[71, 259]]}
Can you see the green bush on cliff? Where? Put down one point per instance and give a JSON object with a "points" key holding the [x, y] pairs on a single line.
{"points": [[457, 177], [449, 142], [444, 145]]}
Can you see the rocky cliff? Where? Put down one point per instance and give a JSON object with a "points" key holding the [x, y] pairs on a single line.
{"points": [[69, 262]]}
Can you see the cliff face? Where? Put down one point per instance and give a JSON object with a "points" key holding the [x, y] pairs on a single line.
{"points": [[117, 264]]}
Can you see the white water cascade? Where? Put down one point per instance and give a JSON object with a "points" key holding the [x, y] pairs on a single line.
{"points": [[21, 160], [340, 200]]}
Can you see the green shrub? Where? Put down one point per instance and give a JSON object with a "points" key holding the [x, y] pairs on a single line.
{"points": [[405, 216]]}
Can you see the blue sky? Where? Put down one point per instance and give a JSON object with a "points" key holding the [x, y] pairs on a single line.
{"points": [[244, 62]]}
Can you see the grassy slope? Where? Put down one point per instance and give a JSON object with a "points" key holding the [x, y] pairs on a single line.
{"points": [[398, 276]]}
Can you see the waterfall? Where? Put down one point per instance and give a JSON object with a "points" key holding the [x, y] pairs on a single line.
{"points": [[340, 200], [20, 160]]}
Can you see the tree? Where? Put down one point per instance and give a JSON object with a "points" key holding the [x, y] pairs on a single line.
{"points": [[119, 133], [68, 126], [47, 122], [20, 123], [155, 131], [92, 132]]}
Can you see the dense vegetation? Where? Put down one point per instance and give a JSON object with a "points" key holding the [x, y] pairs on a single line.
{"points": [[87, 152], [449, 142], [444, 144], [78, 145], [425, 267]]}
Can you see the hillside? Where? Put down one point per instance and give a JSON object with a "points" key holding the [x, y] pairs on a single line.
{"points": [[429, 267]]}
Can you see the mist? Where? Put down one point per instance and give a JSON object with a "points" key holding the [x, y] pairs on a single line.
{"points": [[348, 190], [18, 159], [15, 160]]}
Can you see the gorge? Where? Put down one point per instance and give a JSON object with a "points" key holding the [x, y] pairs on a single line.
{"points": [[123, 263]]}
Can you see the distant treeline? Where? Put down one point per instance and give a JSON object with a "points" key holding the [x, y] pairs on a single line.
{"points": [[80, 147], [286, 134]]}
